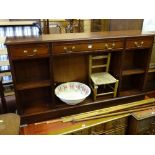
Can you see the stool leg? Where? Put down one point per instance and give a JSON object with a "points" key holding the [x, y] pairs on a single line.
{"points": [[115, 89]]}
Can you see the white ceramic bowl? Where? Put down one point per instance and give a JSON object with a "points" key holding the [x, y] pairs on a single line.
{"points": [[72, 92]]}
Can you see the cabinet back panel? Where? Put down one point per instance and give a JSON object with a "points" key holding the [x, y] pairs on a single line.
{"points": [[115, 64], [31, 96], [31, 70], [142, 57], [130, 59], [150, 84], [70, 68], [132, 82], [75, 67]]}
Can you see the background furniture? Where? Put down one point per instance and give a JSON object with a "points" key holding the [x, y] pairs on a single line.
{"points": [[38, 66], [142, 123], [9, 124], [116, 24], [8, 103], [51, 26], [3, 108]]}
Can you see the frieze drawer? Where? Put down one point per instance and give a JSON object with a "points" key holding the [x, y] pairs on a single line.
{"points": [[69, 48], [108, 45], [94, 46], [141, 42], [27, 51]]}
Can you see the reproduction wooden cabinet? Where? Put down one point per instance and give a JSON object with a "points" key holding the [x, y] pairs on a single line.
{"points": [[39, 64]]}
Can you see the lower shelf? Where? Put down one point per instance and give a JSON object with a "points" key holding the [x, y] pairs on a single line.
{"points": [[133, 71], [151, 70], [30, 85], [37, 107], [130, 92], [42, 112]]}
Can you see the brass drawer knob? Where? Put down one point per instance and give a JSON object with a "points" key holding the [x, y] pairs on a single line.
{"points": [[25, 51], [90, 46], [110, 48], [65, 49], [73, 47], [28, 54], [69, 51], [139, 44], [35, 50], [113, 44], [106, 45]]}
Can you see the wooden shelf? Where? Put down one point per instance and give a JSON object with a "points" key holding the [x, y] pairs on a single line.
{"points": [[130, 92], [37, 107], [133, 71], [151, 70], [30, 85], [62, 109], [151, 94]]}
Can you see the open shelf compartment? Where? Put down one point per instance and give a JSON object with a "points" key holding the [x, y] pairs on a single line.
{"points": [[134, 62], [32, 73], [35, 100], [132, 84], [150, 83]]}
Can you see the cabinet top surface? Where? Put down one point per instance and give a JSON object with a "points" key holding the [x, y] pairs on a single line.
{"points": [[78, 36]]}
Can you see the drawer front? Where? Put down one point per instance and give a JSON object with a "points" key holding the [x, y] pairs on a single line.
{"points": [[94, 46], [109, 45], [145, 124], [27, 51], [69, 48], [142, 42]]}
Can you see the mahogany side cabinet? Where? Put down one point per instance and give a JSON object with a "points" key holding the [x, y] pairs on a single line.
{"points": [[39, 64]]}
